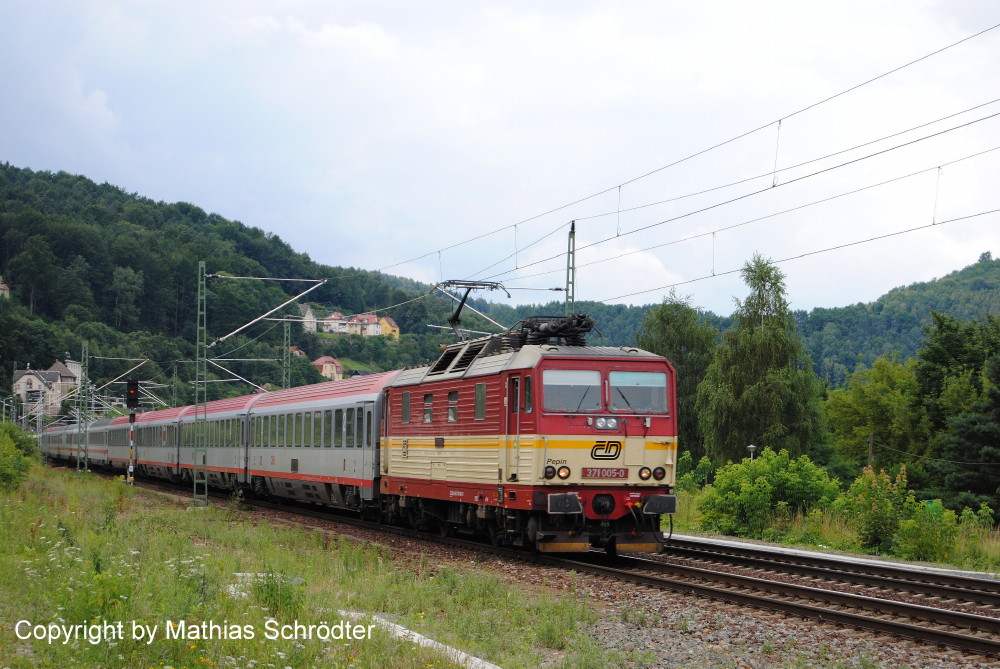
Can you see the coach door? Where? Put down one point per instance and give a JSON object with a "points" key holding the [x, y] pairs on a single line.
{"points": [[366, 431], [243, 447]]}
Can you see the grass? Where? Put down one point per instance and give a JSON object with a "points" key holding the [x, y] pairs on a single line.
{"points": [[78, 550]]}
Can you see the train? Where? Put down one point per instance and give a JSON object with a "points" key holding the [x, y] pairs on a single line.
{"points": [[529, 438]]}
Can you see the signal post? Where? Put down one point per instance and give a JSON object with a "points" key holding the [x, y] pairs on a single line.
{"points": [[131, 402]]}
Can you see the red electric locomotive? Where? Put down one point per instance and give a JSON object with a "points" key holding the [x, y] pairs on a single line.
{"points": [[535, 439]]}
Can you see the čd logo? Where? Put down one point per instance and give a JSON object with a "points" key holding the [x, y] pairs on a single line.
{"points": [[606, 450]]}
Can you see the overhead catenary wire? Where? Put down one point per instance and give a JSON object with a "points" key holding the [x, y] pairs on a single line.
{"points": [[768, 216], [759, 191], [808, 253], [698, 153], [784, 169]]}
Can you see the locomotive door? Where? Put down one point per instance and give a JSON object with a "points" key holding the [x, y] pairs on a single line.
{"points": [[513, 427]]}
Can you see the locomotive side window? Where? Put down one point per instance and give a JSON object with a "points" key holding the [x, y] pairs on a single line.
{"points": [[404, 415], [528, 401], [453, 406], [428, 408], [571, 390], [644, 392], [480, 401]]}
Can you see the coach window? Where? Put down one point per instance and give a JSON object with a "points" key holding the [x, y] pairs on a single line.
{"points": [[359, 430], [326, 427], [453, 406], [279, 430], [428, 408], [349, 424], [480, 401], [405, 410], [370, 438]]}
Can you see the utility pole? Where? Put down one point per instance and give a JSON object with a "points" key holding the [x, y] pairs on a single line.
{"points": [[871, 444], [82, 413], [286, 357], [199, 471], [571, 270]]}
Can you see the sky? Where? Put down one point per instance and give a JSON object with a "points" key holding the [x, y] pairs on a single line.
{"points": [[458, 140]]}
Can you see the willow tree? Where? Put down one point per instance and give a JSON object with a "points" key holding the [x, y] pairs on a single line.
{"points": [[675, 330], [760, 388]]}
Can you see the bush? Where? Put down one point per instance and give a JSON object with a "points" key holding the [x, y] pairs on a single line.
{"points": [[14, 465], [875, 503], [23, 441], [746, 498], [928, 533]]}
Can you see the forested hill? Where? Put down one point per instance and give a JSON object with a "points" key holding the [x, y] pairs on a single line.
{"points": [[92, 261], [838, 339]]}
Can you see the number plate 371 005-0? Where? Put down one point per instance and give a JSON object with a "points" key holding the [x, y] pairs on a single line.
{"points": [[604, 473]]}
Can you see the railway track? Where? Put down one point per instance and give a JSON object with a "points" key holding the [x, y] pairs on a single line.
{"points": [[930, 622], [933, 588], [965, 631]]}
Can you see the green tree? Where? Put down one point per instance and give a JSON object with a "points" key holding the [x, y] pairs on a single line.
{"points": [[967, 466], [759, 388], [881, 404], [127, 288], [674, 330]]}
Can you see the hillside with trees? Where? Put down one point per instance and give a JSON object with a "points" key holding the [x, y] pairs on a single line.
{"points": [[89, 261]]}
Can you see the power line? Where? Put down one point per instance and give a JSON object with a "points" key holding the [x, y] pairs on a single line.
{"points": [[805, 255], [927, 457]]}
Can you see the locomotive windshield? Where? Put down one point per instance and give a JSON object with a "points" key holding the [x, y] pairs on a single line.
{"points": [[571, 389], [643, 392]]}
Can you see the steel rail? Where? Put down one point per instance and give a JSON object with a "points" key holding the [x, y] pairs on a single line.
{"points": [[975, 590]]}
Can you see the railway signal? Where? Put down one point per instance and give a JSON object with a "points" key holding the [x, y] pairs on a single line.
{"points": [[132, 394]]}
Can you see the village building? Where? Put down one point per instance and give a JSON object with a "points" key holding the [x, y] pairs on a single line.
{"points": [[388, 327], [335, 323], [329, 368], [44, 391], [308, 318], [4, 289], [365, 325]]}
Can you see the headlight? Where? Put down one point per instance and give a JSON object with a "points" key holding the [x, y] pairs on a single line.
{"points": [[564, 472], [645, 473], [659, 473], [550, 472], [606, 423]]}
